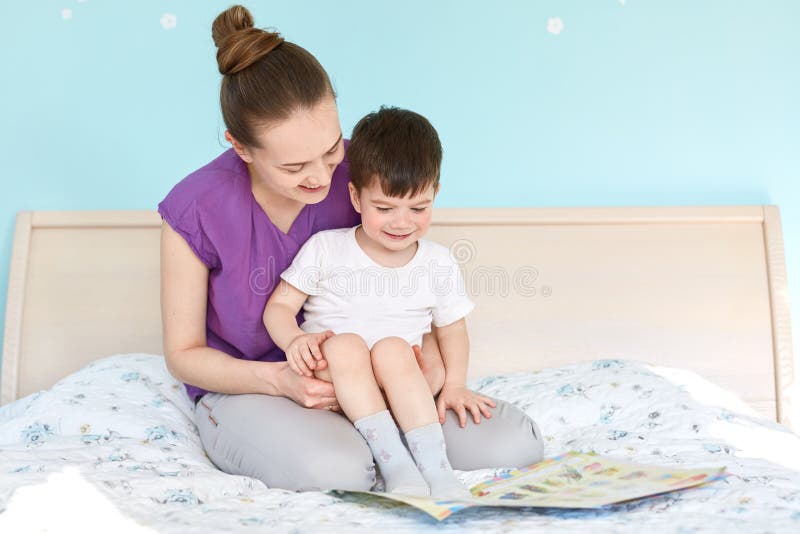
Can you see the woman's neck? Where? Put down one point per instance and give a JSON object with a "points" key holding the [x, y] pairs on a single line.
{"points": [[282, 211]]}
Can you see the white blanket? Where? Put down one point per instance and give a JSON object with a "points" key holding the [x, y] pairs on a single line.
{"points": [[113, 447]]}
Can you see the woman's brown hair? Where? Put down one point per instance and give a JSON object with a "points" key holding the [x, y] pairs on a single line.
{"points": [[264, 77]]}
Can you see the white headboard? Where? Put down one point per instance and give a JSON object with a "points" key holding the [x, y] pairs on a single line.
{"points": [[701, 288]]}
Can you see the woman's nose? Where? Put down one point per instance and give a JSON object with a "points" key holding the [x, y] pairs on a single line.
{"points": [[321, 173]]}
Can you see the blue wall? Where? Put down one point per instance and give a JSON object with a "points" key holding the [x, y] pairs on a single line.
{"points": [[637, 102]]}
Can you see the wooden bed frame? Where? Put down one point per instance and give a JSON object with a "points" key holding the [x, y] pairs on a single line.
{"points": [[700, 288]]}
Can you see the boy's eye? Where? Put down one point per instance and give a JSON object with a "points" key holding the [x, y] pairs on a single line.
{"points": [[416, 210], [294, 171], [334, 149]]}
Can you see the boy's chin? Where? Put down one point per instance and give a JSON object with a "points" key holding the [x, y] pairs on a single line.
{"points": [[398, 246]]}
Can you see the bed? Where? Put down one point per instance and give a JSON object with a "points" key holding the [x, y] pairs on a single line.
{"points": [[653, 334]]}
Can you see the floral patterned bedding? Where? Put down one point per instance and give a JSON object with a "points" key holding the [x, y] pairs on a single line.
{"points": [[118, 438]]}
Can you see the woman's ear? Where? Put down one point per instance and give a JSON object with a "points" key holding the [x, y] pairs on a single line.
{"points": [[354, 197], [239, 148]]}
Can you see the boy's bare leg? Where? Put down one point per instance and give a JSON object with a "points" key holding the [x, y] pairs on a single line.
{"points": [[398, 374], [431, 364], [350, 371]]}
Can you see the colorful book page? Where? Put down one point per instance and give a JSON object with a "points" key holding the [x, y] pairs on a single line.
{"points": [[571, 480]]}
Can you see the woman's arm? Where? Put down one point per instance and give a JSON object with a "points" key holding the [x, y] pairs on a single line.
{"points": [[184, 293]]}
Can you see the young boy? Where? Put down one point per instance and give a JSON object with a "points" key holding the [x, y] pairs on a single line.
{"points": [[379, 286]]}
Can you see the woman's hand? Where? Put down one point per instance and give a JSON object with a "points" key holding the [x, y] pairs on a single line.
{"points": [[307, 392], [303, 353], [460, 399]]}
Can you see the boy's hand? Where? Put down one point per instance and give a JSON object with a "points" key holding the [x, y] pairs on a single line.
{"points": [[460, 399], [303, 353]]}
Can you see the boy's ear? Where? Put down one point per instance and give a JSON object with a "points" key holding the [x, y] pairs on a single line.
{"points": [[354, 197], [240, 149]]}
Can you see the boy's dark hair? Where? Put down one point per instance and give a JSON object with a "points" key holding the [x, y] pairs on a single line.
{"points": [[397, 147]]}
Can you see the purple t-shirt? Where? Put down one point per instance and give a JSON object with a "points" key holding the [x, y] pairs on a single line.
{"points": [[216, 213]]}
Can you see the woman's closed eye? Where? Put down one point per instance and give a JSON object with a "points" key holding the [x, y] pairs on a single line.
{"points": [[298, 168]]}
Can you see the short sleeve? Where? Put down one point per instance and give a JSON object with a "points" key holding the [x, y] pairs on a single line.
{"points": [[306, 269], [187, 222], [452, 301]]}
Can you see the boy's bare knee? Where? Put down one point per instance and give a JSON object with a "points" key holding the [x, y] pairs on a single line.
{"points": [[394, 345], [344, 343], [343, 352], [390, 356]]}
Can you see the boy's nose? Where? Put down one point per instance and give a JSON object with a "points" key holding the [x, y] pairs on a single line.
{"points": [[402, 220]]}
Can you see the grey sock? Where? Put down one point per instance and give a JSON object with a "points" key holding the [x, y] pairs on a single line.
{"points": [[395, 463], [426, 444]]}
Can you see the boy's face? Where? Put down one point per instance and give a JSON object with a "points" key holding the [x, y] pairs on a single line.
{"points": [[391, 222]]}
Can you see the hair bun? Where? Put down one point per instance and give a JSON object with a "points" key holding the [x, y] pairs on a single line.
{"points": [[232, 20], [239, 43]]}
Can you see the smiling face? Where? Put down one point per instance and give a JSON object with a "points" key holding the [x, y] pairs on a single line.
{"points": [[392, 224], [298, 155]]}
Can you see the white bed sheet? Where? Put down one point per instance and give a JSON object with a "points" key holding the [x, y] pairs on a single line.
{"points": [[116, 441]]}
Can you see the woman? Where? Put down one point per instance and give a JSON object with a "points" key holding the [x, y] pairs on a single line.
{"points": [[230, 228]]}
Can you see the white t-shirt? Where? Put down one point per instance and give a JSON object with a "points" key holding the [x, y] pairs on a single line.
{"points": [[348, 292]]}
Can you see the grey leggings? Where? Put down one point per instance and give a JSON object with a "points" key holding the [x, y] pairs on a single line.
{"points": [[291, 447]]}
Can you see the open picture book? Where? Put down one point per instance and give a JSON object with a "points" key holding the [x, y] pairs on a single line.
{"points": [[571, 480]]}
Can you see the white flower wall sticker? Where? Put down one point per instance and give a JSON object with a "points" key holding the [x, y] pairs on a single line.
{"points": [[555, 25], [66, 13], [168, 21]]}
